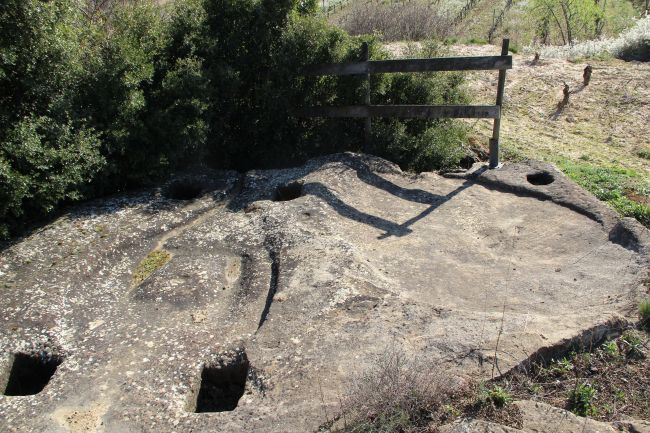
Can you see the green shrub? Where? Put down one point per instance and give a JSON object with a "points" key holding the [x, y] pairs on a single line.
{"points": [[611, 349], [497, 396], [261, 86], [43, 162], [47, 156], [581, 400], [94, 106], [120, 95], [90, 107], [419, 145], [632, 347]]}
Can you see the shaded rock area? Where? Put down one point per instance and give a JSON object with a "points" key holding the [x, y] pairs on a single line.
{"points": [[283, 284]]}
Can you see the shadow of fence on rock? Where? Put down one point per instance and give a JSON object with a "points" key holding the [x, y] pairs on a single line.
{"points": [[390, 228]]}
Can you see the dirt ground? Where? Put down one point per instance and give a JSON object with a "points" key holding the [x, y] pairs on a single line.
{"points": [[604, 123]]}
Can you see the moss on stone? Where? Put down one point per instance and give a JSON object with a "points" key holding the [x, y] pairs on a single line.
{"points": [[150, 264]]}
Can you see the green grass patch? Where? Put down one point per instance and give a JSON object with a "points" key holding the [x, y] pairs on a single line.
{"points": [[150, 264], [476, 41], [625, 190]]}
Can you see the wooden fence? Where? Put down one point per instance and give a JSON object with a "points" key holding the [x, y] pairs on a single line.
{"points": [[368, 111]]}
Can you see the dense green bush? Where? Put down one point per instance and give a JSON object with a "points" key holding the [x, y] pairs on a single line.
{"points": [[46, 154], [259, 105], [144, 98], [420, 145], [94, 104]]}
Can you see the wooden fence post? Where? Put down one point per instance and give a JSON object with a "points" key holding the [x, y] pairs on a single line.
{"points": [[494, 141], [367, 130], [586, 76]]}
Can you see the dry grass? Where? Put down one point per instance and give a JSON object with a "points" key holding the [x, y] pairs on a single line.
{"points": [[414, 20], [399, 394], [599, 139], [396, 394], [604, 124]]}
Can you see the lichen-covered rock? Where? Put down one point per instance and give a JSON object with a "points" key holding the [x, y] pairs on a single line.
{"points": [[283, 284]]}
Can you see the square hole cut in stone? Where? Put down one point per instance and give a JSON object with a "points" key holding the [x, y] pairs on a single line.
{"points": [[288, 192], [222, 385], [30, 374]]}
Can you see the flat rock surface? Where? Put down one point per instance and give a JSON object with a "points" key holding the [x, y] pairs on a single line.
{"points": [[284, 284]]}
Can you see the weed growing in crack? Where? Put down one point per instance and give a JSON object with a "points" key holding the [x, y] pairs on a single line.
{"points": [[497, 396], [606, 381], [562, 366], [610, 349], [632, 346], [581, 400]]}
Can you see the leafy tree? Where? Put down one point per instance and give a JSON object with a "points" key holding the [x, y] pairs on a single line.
{"points": [[46, 154], [571, 18], [100, 96]]}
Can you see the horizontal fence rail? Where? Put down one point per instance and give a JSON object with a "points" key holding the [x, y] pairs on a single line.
{"points": [[486, 63], [366, 67], [406, 111]]}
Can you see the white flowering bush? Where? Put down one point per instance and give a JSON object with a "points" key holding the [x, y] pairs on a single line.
{"points": [[632, 44]]}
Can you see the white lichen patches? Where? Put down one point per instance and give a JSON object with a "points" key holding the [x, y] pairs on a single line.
{"points": [[174, 347]]}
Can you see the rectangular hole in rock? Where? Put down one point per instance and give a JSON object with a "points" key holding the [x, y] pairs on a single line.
{"points": [[30, 374], [222, 385]]}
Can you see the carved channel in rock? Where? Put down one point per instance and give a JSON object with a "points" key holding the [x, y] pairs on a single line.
{"points": [[30, 373], [540, 178], [288, 192], [273, 286], [222, 384]]}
